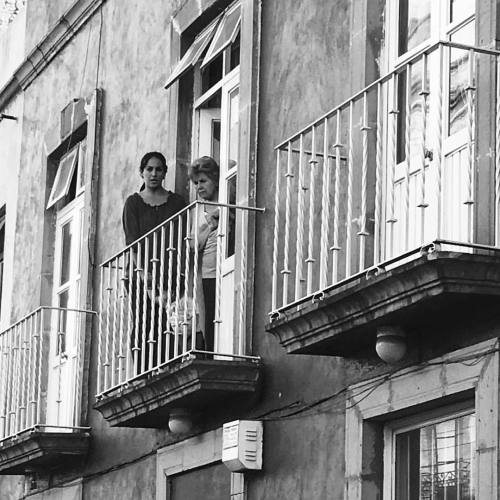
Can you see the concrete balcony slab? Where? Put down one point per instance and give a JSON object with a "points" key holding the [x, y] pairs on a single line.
{"points": [[436, 288], [192, 384], [37, 450]]}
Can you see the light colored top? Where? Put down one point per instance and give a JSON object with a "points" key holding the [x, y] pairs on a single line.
{"points": [[208, 222]]}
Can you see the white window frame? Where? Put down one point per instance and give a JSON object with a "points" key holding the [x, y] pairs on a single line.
{"points": [[441, 377], [72, 158]]}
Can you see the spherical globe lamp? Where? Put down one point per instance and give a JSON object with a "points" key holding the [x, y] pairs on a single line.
{"points": [[391, 344]]}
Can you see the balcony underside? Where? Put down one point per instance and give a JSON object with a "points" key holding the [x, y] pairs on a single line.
{"points": [[42, 451], [436, 288], [194, 384]]}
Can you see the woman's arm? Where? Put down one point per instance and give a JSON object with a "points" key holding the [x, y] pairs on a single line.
{"points": [[130, 220]]}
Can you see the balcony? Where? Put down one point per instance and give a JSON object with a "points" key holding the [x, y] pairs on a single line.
{"points": [[389, 207], [158, 353], [41, 375]]}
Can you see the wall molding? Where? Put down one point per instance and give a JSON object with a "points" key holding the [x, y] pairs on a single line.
{"points": [[44, 52]]}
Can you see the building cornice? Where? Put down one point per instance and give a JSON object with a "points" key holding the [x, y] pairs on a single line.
{"points": [[54, 41]]}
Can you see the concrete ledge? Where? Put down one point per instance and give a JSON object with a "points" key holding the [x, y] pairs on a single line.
{"points": [[53, 42], [436, 288], [38, 450], [195, 384]]}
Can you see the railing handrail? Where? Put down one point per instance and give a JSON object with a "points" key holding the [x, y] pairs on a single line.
{"points": [[383, 79], [40, 308], [175, 216]]}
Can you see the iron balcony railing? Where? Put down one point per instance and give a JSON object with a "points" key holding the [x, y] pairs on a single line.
{"points": [[153, 311], [410, 159], [41, 371]]}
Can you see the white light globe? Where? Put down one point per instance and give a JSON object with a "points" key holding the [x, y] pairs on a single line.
{"points": [[391, 344]]}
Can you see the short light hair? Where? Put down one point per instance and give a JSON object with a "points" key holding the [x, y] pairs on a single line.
{"points": [[204, 165]]}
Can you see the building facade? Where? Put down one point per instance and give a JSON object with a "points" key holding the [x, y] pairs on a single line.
{"points": [[355, 350]]}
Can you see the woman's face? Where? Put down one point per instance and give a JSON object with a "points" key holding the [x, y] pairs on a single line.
{"points": [[205, 187], [153, 173]]}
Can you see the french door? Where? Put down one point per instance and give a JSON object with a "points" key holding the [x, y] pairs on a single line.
{"points": [[430, 123], [218, 137], [63, 376]]}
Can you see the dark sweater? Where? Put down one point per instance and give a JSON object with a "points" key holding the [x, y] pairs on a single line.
{"points": [[139, 217]]}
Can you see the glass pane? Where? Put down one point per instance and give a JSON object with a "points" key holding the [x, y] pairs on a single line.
{"points": [[461, 9], [234, 128], [231, 217], [62, 322], [211, 74], [416, 115], [215, 148], [414, 23], [436, 462], [63, 177], [226, 33], [66, 240], [459, 78], [193, 54]]}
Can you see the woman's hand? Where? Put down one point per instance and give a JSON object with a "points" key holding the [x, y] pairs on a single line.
{"points": [[213, 220]]}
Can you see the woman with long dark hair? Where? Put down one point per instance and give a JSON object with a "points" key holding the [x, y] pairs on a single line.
{"points": [[143, 211]]}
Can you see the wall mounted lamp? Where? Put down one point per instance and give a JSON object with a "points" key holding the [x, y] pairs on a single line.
{"points": [[391, 344], [180, 421]]}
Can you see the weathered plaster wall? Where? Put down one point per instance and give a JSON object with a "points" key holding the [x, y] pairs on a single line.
{"points": [[12, 44], [46, 14], [128, 483], [10, 148], [304, 73]]}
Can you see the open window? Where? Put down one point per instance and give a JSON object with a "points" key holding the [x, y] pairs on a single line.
{"points": [[211, 90]]}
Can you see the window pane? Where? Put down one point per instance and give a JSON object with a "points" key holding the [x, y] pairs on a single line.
{"points": [[414, 23], [459, 79], [66, 240], [461, 9], [436, 462], [193, 54], [63, 177], [234, 128], [231, 216], [416, 112], [208, 483], [226, 33], [215, 148], [62, 322]]}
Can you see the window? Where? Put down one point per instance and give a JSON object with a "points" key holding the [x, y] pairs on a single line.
{"points": [[211, 482], [406, 444], [193, 467], [434, 459], [69, 180], [416, 95], [209, 90]]}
